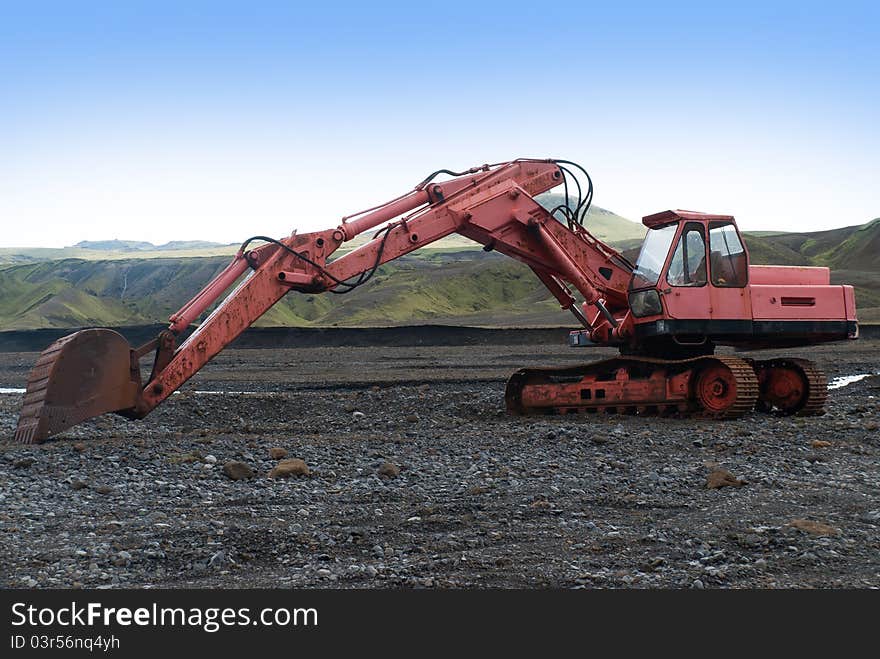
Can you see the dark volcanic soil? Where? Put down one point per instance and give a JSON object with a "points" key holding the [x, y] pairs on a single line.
{"points": [[481, 499]]}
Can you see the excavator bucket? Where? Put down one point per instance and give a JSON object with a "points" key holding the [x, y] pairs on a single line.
{"points": [[79, 376]]}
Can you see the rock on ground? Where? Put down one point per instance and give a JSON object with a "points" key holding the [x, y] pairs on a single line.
{"points": [[485, 500]]}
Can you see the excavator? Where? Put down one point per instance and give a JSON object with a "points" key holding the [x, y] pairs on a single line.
{"points": [[690, 290]]}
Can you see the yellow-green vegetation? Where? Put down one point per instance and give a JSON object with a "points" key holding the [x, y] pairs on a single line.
{"points": [[413, 290], [601, 222], [764, 250], [76, 293], [14, 255], [853, 248], [455, 282]]}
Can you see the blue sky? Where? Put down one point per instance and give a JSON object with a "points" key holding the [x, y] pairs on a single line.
{"points": [[162, 121]]}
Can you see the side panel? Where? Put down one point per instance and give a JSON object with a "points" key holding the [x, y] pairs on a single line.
{"points": [[799, 302], [789, 275]]}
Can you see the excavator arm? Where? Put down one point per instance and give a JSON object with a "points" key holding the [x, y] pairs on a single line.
{"points": [[93, 371]]}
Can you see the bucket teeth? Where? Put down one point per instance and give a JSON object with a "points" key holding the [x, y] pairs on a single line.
{"points": [[79, 376], [26, 431]]}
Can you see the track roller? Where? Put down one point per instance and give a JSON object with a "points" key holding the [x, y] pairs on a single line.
{"points": [[791, 387]]}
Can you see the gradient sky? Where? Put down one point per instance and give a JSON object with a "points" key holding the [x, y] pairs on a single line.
{"points": [[219, 120]]}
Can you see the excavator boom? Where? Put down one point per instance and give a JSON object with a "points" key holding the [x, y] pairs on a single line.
{"points": [[93, 372], [692, 288]]}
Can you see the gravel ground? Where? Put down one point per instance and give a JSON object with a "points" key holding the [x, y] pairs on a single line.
{"points": [[418, 478]]}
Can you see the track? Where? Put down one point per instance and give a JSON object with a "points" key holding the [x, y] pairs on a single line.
{"points": [[817, 392], [709, 386], [807, 387]]}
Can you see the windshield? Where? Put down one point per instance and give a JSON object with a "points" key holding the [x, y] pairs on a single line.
{"points": [[653, 256]]}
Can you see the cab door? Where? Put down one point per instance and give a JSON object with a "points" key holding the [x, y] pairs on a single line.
{"points": [[728, 273], [686, 290]]}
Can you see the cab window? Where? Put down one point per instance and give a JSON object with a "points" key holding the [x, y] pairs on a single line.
{"points": [[653, 255], [688, 264], [727, 257]]}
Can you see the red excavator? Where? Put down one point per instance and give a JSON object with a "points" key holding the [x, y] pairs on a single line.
{"points": [[691, 289]]}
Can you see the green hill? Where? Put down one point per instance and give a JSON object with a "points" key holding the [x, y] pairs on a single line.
{"points": [[766, 250], [454, 283], [17, 255], [602, 223], [176, 245], [447, 286], [859, 251], [855, 247], [76, 292], [115, 245], [142, 246]]}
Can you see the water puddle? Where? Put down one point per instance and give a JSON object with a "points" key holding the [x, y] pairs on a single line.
{"points": [[844, 380]]}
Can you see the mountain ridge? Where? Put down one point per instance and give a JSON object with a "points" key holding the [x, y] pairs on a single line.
{"points": [[143, 245], [457, 284]]}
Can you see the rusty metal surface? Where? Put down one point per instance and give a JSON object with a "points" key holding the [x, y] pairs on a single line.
{"points": [[791, 386], [668, 217], [76, 378], [635, 385]]}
